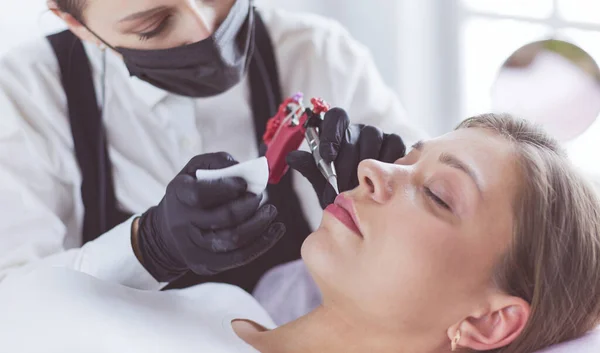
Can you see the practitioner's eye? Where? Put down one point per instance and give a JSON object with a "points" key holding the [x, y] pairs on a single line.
{"points": [[155, 29]]}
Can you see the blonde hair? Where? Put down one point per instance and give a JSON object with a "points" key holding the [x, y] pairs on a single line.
{"points": [[554, 260]]}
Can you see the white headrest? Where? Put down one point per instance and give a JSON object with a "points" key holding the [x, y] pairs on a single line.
{"points": [[589, 343]]}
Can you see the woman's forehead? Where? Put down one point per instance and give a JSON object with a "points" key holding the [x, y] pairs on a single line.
{"points": [[485, 151], [473, 141], [472, 134]]}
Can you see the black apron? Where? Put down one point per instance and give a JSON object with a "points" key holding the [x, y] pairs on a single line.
{"points": [[97, 188]]}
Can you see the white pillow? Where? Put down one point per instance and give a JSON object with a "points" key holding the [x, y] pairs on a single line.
{"points": [[590, 343]]}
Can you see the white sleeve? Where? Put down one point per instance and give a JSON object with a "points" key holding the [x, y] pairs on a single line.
{"points": [[319, 57], [364, 94], [40, 211]]}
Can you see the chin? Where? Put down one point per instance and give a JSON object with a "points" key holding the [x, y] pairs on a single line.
{"points": [[314, 245], [325, 264], [319, 253]]}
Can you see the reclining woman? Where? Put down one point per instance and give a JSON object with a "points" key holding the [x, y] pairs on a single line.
{"points": [[484, 239]]}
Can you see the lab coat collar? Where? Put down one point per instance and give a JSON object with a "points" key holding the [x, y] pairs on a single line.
{"points": [[146, 92]]}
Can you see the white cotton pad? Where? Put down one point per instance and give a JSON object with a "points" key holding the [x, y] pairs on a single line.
{"points": [[255, 172]]}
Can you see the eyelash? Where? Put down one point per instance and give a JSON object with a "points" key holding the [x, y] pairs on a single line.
{"points": [[436, 199], [156, 31]]}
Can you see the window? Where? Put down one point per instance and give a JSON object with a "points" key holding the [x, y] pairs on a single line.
{"points": [[587, 11], [528, 8], [491, 30]]}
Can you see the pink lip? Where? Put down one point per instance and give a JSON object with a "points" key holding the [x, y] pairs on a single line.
{"points": [[343, 210]]}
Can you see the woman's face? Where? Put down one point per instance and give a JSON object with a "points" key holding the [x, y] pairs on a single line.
{"points": [[155, 24], [432, 226]]}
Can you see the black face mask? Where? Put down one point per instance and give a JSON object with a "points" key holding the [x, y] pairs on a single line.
{"points": [[206, 68]]}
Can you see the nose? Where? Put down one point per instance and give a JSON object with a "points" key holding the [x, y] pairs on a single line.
{"points": [[199, 23], [377, 179], [206, 16]]}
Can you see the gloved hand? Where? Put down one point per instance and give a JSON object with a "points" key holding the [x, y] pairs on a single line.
{"points": [[205, 226], [346, 145]]}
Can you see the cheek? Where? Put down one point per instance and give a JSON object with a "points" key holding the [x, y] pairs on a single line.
{"points": [[427, 267], [414, 252], [408, 266]]}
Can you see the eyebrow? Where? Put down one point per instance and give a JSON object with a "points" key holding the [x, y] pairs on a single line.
{"points": [[143, 14], [454, 162]]}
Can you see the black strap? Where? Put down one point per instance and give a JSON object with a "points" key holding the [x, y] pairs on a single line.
{"points": [[266, 97], [97, 189]]}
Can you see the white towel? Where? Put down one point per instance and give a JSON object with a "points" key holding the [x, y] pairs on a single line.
{"points": [[255, 172]]}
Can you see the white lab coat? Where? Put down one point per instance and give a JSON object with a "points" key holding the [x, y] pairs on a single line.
{"points": [[152, 134]]}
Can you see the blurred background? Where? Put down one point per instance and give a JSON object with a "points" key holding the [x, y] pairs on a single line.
{"points": [[449, 59]]}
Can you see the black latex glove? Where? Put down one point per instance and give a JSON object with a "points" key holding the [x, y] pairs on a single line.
{"points": [[346, 145], [205, 226]]}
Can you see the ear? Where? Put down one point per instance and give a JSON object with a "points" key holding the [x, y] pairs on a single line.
{"points": [[74, 25], [495, 327]]}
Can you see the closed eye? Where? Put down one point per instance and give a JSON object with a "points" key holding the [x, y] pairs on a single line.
{"points": [[436, 199], [158, 29]]}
